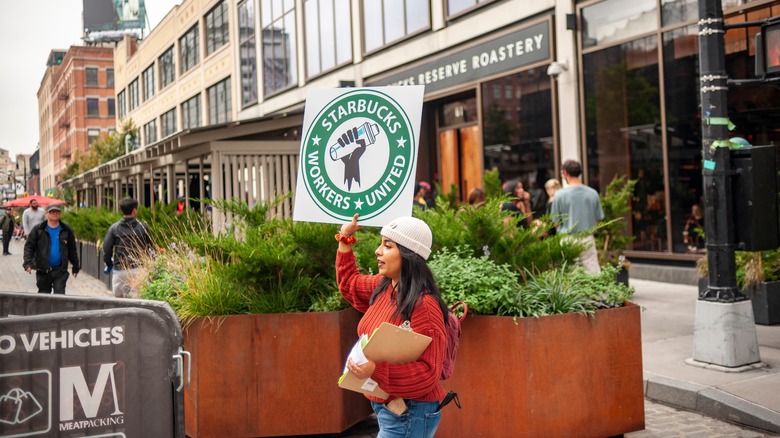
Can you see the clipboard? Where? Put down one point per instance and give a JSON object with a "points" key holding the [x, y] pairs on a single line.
{"points": [[392, 344]]}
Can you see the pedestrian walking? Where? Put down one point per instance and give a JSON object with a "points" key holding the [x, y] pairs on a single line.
{"points": [[403, 292], [125, 245], [50, 246], [7, 226], [32, 216], [577, 209]]}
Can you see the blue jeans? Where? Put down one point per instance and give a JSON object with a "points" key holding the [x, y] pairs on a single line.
{"points": [[419, 421]]}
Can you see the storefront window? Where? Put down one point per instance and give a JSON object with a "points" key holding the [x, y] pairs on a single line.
{"points": [[518, 130], [683, 138], [623, 124], [616, 20]]}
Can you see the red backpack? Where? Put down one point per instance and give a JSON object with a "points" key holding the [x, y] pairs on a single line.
{"points": [[452, 331]]}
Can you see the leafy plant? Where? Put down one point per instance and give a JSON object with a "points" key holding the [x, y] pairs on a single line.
{"points": [[492, 289], [492, 182], [90, 223], [478, 281], [567, 290], [611, 235], [489, 228]]}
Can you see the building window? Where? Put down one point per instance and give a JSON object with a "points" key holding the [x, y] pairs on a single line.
{"points": [[279, 41], [328, 34], [219, 102], [190, 113], [216, 27], [386, 21], [455, 7], [110, 77], [167, 68], [92, 80], [92, 135], [132, 91], [111, 107], [168, 123], [188, 50], [517, 129], [624, 136], [122, 99], [247, 52], [148, 76], [150, 132], [611, 21], [92, 108]]}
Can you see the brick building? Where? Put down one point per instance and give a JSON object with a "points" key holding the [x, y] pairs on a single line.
{"points": [[81, 92]]}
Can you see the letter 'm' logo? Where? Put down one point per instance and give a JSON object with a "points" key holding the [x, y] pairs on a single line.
{"points": [[72, 379]]}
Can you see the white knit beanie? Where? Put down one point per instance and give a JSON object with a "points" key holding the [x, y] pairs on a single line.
{"points": [[411, 233]]}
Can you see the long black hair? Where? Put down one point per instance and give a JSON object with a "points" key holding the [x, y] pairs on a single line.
{"points": [[415, 281]]}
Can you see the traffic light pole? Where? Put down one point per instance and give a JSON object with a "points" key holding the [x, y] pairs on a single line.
{"points": [[723, 314]]}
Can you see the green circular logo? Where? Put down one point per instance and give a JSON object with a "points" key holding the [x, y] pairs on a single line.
{"points": [[358, 154]]}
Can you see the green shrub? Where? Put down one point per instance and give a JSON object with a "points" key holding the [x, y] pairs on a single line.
{"points": [[492, 289], [568, 290], [478, 281], [612, 237], [90, 223], [490, 229]]}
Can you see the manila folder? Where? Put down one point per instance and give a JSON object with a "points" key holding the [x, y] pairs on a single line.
{"points": [[392, 344]]}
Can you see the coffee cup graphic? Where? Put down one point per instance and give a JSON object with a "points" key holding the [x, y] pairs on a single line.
{"points": [[366, 132]]}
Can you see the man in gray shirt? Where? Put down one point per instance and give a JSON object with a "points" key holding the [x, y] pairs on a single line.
{"points": [[577, 208], [31, 217]]}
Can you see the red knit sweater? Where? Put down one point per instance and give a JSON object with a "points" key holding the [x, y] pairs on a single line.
{"points": [[417, 380]]}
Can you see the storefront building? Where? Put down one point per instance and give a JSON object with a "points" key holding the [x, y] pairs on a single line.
{"points": [[624, 99]]}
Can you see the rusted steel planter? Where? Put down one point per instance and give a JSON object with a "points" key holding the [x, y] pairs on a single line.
{"points": [[562, 375], [271, 375]]}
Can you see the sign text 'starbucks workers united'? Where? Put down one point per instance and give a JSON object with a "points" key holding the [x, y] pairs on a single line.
{"points": [[358, 154]]}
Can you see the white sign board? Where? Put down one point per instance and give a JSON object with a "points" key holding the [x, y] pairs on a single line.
{"points": [[358, 154]]}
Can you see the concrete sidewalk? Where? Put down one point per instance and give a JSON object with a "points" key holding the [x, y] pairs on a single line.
{"points": [[751, 397], [13, 278]]}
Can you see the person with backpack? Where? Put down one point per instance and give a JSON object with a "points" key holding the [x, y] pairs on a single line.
{"points": [[403, 293], [126, 243], [49, 247]]}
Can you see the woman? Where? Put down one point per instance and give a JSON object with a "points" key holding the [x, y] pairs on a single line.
{"points": [[404, 290], [477, 197], [551, 186], [520, 203]]}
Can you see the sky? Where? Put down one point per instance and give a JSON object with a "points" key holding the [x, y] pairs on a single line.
{"points": [[29, 30]]}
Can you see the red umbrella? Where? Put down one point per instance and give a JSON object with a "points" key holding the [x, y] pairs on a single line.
{"points": [[25, 202]]}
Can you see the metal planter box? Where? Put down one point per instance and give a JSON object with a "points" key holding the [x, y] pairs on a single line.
{"points": [[766, 302], [561, 375], [271, 375]]}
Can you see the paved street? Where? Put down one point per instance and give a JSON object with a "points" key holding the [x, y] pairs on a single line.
{"points": [[661, 421], [14, 279]]}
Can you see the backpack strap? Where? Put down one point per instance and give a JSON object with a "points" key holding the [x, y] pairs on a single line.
{"points": [[465, 310]]}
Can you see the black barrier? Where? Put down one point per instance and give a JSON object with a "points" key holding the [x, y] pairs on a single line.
{"points": [[84, 367]]}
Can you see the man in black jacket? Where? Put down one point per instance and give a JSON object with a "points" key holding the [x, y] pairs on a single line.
{"points": [[49, 248], [126, 244], [7, 225]]}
